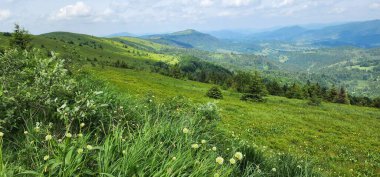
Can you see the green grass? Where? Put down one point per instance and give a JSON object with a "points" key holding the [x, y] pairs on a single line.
{"points": [[341, 139]]}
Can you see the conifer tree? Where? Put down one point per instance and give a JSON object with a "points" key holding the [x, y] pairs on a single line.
{"points": [[214, 92], [20, 38], [343, 97], [332, 95]]}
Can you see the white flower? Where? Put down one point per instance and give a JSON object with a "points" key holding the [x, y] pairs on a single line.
{"points": [[46, 157], [37, 129], [203, 141], [59, 140], [195, 146], [238, 155], [274, 169], [26, 132], [80, 151], [232, 161], [124, 152], [48, 137], [219, 160], [68, 135], [80, 135], [89, 147], [82, 125], [214, 148], [216, 175], [185, 130], [298, 166], [1, 134], [174, 158]]}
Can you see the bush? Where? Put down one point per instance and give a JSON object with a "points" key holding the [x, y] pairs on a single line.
{"points": [[252, 97], [215, 93], [315, 101]]}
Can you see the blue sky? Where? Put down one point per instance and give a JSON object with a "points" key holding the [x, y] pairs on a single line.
{"points": [[101, 17]]}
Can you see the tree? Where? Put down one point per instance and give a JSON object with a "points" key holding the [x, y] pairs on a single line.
{"points": [[376, 102], [343, 97], [294, 91], [20, 38], [332, 94], [241, 81], [256, 90], [214, 92]]}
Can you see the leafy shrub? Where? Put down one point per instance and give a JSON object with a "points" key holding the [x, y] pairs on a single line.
{"points": [[214, 92]]}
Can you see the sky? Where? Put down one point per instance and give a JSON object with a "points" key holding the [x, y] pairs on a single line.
{"points": [[102, 17]]}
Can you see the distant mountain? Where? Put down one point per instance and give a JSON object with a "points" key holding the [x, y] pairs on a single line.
{"points": [[282, 34], [122, 34], [228, 34], [186, 39], [360, 34]]}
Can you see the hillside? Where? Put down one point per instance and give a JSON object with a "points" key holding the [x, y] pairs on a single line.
{"points": [[280, 125], [187, 39]]}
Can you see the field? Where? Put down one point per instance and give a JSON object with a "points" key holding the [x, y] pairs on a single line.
{"points": [[340, 139]]}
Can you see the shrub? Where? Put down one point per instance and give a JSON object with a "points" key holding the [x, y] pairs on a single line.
{"points": [[215, 93], [252, 97], [315, 101]]}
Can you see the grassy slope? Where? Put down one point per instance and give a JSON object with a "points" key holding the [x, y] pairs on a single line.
{"points": [[338, 137]]}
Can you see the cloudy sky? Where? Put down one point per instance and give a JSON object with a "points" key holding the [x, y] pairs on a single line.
{"points": [[100, 17]]}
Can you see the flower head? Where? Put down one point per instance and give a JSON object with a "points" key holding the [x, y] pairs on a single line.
{"points": [[219, 160], [195, 146], [232, 161], [216, 175], [185, 130], [238, 155], [203, 141], [1, 134], [274, 169], [26, 132], [82, 125], [46, 157], [80, 151], [68, 135], [89, 147], [214, 148], [80, 135], [174, 158], [48, 137]]}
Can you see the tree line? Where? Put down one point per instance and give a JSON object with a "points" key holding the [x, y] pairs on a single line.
{"points": [[254, 87]]}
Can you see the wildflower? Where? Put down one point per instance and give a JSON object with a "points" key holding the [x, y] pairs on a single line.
{"points": [[274, 169], [37, 129], [232, 161], [219, 160], [203, 141], [46, 157], [26, 132], [174, 158], [185, 130], [59, 140], [298, 166], [214, 148], [80, 135], [195, 146], [124, 152], [216, 175], [1, 134], [48, 137], [89, 147], [68, 135], [82, 125], [238, 155], [80, 151]]}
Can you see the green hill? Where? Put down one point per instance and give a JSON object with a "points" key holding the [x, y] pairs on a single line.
{"points": [[331, 135]]}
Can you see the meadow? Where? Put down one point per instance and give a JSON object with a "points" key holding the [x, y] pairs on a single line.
{"points": [[331, 135]]}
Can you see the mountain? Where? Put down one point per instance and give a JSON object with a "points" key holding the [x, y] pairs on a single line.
{"points": [[122, 34], [228, 34], [282, 34], [360, 34], [186, 39]]}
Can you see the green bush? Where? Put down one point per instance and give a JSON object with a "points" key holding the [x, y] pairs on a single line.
{"points": [[214, 92], [252, 97]]}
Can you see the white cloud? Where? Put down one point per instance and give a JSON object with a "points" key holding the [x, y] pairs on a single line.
{"points": [[374, 5], [236, 3], [79, 9], [4, 14], [206, 3], [337, 10]]}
